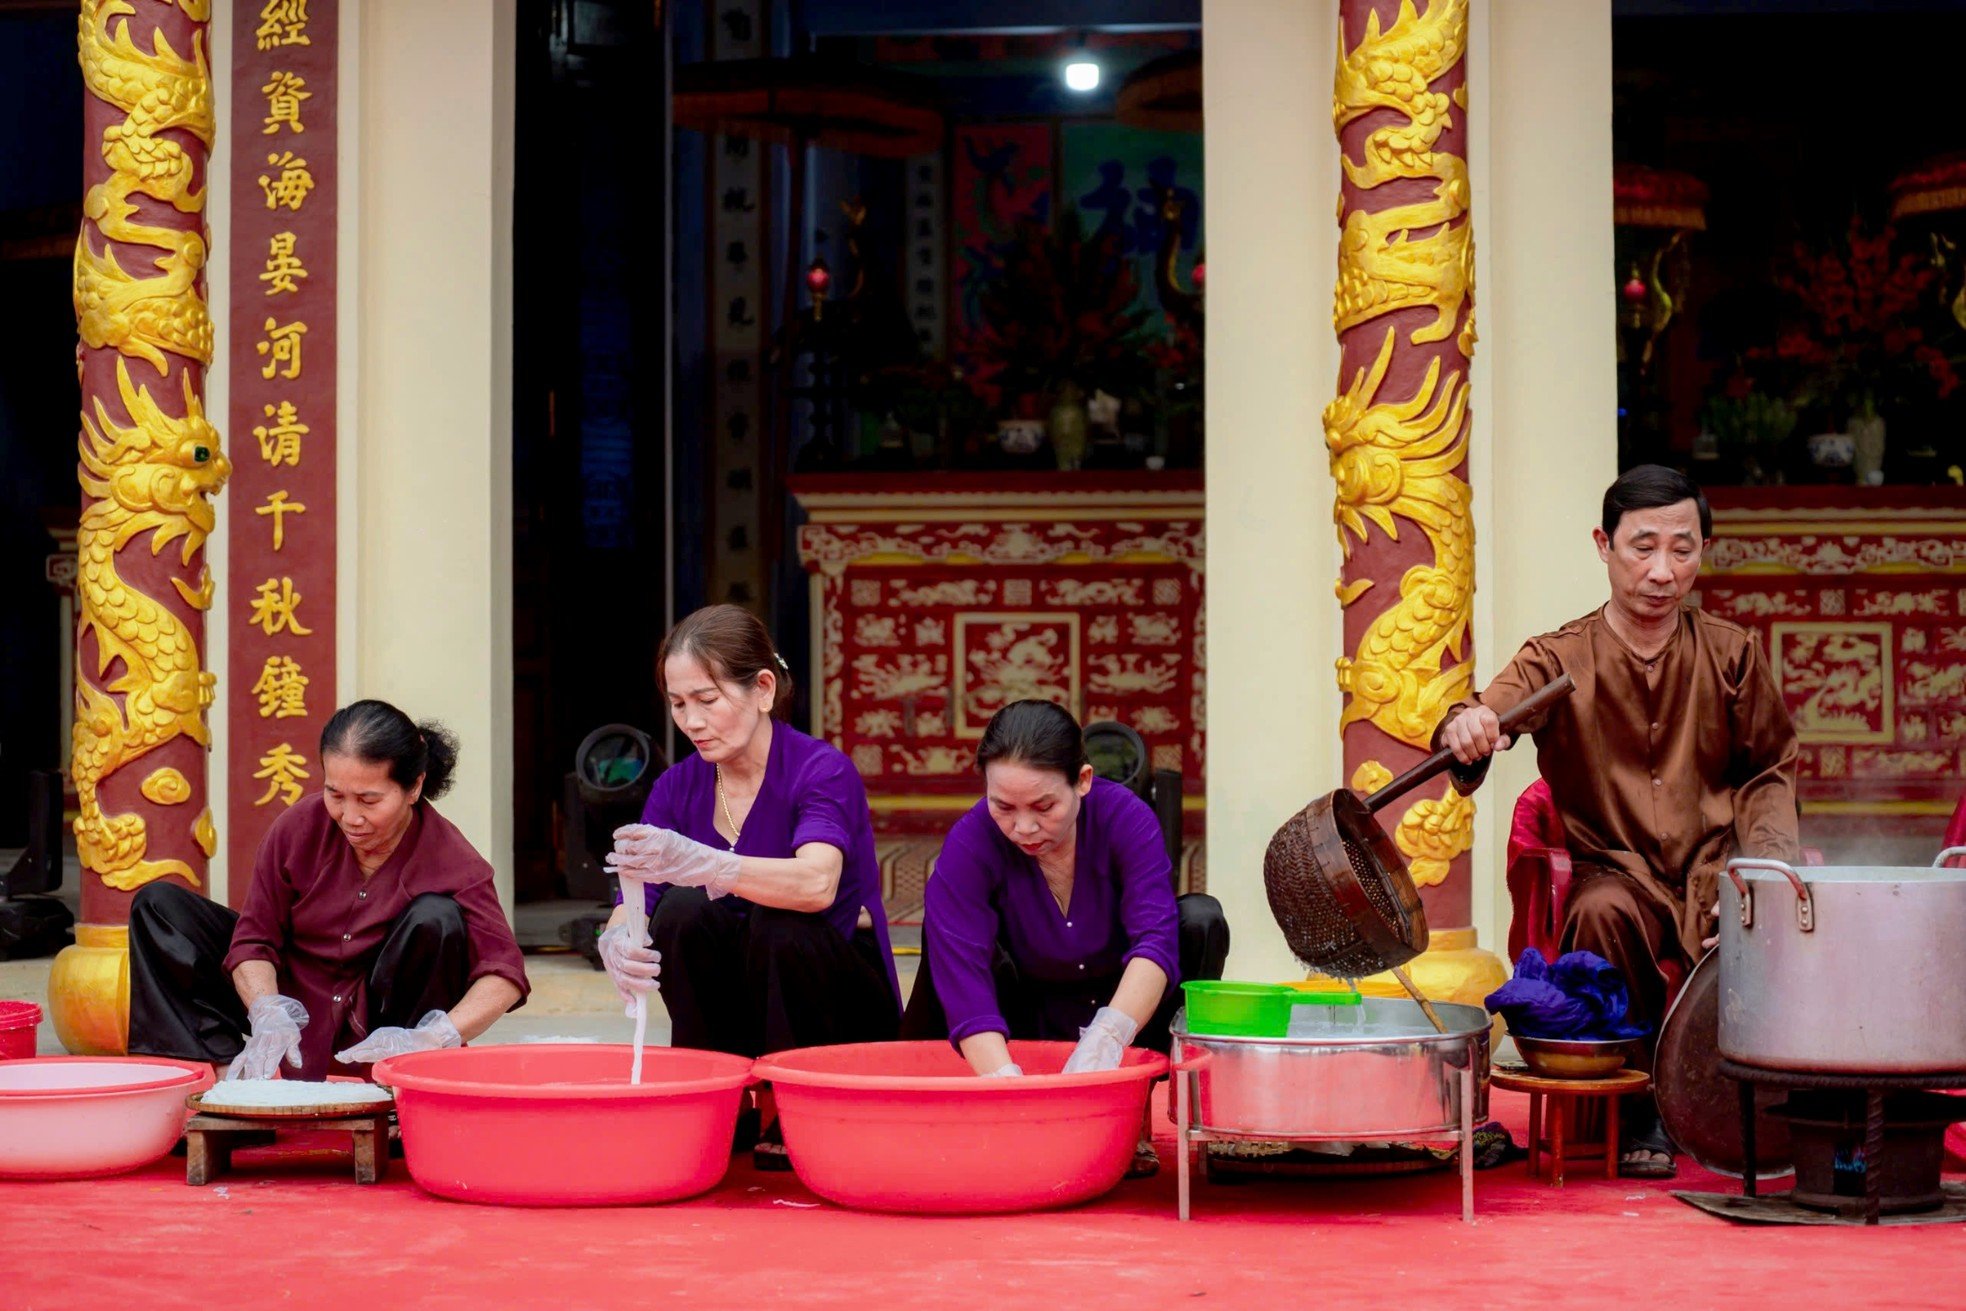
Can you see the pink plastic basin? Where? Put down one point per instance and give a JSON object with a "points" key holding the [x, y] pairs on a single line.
{"points": [[905, 1126], [73, 1117], [18, 1020], [558, 1124]]}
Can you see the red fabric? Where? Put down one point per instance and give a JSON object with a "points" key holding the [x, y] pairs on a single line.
{"points": [[1956, 837], [1538, 873], [289, 1227]]}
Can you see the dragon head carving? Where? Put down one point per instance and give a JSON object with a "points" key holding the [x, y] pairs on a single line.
{"points": [[162, 464]]}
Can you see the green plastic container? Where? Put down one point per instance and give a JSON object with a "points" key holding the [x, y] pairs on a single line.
{"points": [[1239, 1010]]}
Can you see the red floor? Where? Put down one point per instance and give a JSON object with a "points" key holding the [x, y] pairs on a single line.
{"points": [[293, 1231]]}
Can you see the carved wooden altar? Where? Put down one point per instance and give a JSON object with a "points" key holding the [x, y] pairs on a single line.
{"points": [[1859, 595], [938, 598]]}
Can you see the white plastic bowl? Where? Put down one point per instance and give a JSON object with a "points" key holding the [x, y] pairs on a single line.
{"points": [[74, 1117]]}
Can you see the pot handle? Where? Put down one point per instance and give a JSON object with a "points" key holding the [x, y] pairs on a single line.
{"points": [[1195, 1062], [1805, 908], [1946, 855]]}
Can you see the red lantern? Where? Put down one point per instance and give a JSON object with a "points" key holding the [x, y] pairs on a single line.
{"points": [[1200, 275], [1635, 290], [818, 279]]}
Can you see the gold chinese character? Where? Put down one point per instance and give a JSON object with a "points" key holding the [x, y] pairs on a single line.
{"points": [[282, 23], [281, 689], [279, 507], [283, 266], [279, 441], [281, 767], [283, 96], [274, 603], [282, 346], [290, 188]]}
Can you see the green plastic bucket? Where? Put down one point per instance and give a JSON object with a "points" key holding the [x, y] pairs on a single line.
{"points": [[1239, 1010]]}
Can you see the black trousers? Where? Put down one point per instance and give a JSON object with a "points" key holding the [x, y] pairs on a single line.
{"points": [[183, 1004], [1035, 1008], [748, 979]]}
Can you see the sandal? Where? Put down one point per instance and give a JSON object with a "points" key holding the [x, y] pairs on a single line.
{"points": [[1647, 1154], [1146, 1161], [769, 1153]]}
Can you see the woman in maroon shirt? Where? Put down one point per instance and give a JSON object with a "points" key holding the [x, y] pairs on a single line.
{"points": [[371, 928]]}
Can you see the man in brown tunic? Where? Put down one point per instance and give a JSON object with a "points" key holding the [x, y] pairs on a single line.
{"points": [[1674, 753]]}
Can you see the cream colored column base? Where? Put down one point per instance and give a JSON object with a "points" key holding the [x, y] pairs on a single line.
{"points": [[1452, 969], [89, 991]]}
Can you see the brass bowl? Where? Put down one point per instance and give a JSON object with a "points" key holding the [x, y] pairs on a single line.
{"points": [[1565, 1058]]}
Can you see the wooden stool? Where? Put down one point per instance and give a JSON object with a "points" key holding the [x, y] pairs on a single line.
{"points": [[1563, 1093], [209, 1141]]}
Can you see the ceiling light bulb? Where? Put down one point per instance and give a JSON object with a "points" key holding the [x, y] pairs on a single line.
{"points": [[1082, 75]]}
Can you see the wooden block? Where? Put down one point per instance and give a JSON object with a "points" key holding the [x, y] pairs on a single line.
{"points": [[206, 1157], [372, 1151]]}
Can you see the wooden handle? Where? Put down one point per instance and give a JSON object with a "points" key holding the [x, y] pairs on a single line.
{"points": [[1528, 708]]}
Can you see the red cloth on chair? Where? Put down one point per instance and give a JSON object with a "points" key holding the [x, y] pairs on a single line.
{"points": [[1956, 837], [1538, 873]]}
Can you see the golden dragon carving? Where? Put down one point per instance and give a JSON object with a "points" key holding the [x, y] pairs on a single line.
{"points": [[1382, 265], [1394, 458], [158, 91], [150, 481]]}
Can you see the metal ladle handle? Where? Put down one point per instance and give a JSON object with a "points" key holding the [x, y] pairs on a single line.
{"points": [[1805, 910], [1523, 711], [1946, 855]]}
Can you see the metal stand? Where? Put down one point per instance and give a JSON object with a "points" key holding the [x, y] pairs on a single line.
{"points": [[1188, 1137], [1873, 1086]]}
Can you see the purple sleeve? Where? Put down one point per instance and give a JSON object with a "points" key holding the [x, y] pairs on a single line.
{"points": [[656, 811], [959, 929], [1147, 911], [831, 807]]}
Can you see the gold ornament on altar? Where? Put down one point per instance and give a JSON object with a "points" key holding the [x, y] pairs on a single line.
{"points": [[1655, 211]]}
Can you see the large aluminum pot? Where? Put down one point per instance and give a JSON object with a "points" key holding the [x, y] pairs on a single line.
{"points": [[1844, 970], [1397, 1078]]}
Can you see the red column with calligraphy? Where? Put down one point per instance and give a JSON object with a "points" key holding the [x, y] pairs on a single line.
{"points": [[283, 356]]}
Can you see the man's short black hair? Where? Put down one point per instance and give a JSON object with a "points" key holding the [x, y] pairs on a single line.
{"points": [[1648, 487]]}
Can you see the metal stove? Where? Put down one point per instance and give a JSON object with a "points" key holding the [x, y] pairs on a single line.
{"points": [[1865, 1145]]}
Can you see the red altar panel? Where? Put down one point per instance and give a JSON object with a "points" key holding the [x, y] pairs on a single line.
{"points": [[937, 601], [1860, 599]]}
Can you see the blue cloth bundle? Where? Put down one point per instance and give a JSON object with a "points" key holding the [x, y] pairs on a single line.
{"points": [[1582, 996]]}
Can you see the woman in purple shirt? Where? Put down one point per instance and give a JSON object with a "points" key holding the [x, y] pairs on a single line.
{"points": [[1051, 912], [763, 889]]}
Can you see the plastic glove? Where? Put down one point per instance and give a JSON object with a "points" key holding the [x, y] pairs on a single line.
{"points": [[632, 966], [1008, 1070], [660, 855], [1102, 1043], [431, 1032], [277, 1022]]}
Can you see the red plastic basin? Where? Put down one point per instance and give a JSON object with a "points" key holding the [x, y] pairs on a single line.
{"points": [[558, 1124], [906, 1126], [75, 1117]]}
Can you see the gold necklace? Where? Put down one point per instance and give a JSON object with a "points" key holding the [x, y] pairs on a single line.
{"points": [[724, 805]]}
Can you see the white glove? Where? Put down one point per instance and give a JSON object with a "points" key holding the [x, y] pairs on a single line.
{"points": [[660, 855], [1102, 1043], [434, 1030], [277, 1022], [632, 966], [1008, 1070]]}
